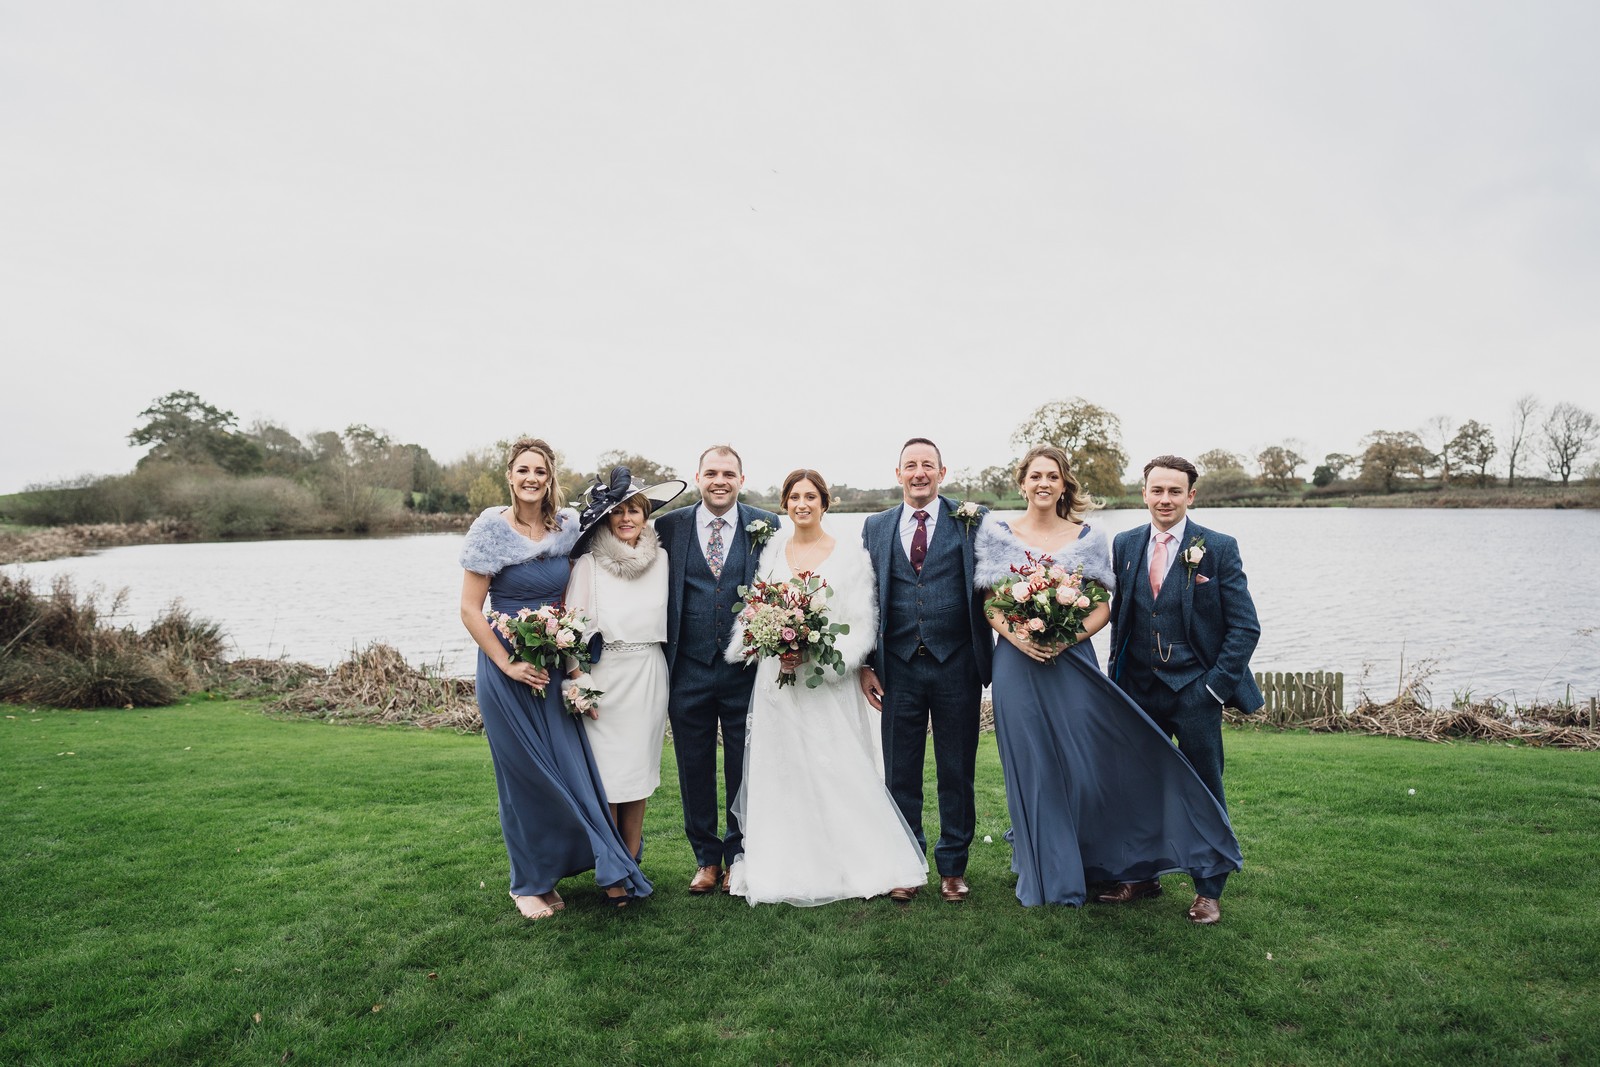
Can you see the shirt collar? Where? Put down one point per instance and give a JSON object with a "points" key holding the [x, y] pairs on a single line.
{"points": [[1177, 532], [704, 516]]}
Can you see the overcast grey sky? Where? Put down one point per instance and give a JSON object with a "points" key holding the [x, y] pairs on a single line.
{"points": [[810, 229]]}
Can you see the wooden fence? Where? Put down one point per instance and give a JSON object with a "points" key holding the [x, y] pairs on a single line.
{"points": [[1295, 697]]}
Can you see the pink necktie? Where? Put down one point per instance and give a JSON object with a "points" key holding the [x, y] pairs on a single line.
{"points": [[1158, 563]]}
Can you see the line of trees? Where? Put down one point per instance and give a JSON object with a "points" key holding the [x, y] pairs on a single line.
{"points": [[203, 468]]}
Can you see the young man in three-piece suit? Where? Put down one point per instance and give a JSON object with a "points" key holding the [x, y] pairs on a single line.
{"points": [[710, 554], [1183, 627]]}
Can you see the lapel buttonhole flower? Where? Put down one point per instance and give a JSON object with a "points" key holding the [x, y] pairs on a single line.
{"points": [[760, 532], [1194, 554]]}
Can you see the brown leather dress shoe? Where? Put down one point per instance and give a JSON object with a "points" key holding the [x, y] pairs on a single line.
{"points": [[904, 893], [1205, 911], [725, 875], [954, 888], [1128, 892], [705, 879]]}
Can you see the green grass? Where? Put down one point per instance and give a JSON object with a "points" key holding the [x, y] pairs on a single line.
{"points": [[187, 869]]}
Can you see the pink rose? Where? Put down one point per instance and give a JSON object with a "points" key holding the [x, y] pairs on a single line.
{"points": [[1020, 592], [1064, 595], [523, 613], [1036, 625], [788, 633], [564, 639], [1058, 573], [1083, 602], [552, 627]]}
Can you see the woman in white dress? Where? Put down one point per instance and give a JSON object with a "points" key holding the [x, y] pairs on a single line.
{"points": [[819, 825], [620, 585]]}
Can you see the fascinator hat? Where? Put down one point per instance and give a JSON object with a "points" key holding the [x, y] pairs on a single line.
{"points": [[602, 498]]}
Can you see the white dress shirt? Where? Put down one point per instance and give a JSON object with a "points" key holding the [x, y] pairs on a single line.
{"points": [[908, 523]]}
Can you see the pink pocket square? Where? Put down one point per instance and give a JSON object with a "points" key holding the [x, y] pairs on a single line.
{"points": [[1201, 579]]}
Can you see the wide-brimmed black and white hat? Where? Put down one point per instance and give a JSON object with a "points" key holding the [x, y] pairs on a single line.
{"points": [[601, 498]]}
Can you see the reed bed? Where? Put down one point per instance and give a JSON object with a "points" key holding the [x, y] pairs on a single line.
{"points": [[1541, 726], [377, 685]]}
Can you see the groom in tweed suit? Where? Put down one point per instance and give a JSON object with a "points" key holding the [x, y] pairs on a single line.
{"points": [[710, 554], [1182, 630], [932, 658]]}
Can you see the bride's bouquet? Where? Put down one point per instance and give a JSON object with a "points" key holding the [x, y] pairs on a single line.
{"points": [[542, 636], [1045, 600], [781, 618]]}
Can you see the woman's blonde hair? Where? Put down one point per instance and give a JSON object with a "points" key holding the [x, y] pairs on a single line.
{"points": [[1073, 502], [552, 494]]}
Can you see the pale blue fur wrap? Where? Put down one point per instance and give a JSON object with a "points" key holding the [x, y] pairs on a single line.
{"points": [[997, 549], [492, 545]]}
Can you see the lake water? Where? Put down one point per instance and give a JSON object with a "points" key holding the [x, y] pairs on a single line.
{"points": [[1501, 603]]}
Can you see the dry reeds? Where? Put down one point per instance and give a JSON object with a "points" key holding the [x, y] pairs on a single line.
{"points": [[377, 685], [1542, 725]]}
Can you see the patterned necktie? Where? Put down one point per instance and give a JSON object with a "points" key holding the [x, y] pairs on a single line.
{"points": [[919, 541], [1158, 563], [714, 547]]}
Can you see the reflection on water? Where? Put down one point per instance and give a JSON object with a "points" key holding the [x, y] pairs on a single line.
{"points": [[1498, 602]]}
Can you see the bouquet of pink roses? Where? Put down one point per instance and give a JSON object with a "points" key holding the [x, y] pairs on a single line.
{"points": [[542, 636], [782, 618], [1045, 600]]}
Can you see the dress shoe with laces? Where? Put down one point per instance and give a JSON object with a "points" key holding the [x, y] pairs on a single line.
{"points": [[727, 873], [1128, 892], [705, 879], [954, 889], [904, 893], [1205, 911]]}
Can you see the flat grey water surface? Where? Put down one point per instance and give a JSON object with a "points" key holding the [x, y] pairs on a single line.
{"points": [[1498, 602]]}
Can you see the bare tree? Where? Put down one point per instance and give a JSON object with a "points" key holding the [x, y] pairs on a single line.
{"points": [[1569, 432], [1437, 433], [1523, 410]]}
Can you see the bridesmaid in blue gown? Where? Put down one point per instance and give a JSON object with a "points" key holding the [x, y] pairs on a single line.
{"points": [[1095, 790], [553, 809]]}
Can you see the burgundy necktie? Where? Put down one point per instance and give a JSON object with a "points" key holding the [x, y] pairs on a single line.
{"points": [[919, 541]]}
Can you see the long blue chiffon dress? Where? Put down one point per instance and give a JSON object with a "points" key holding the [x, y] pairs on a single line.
{"points": [[1096, 791], [553, 809]]}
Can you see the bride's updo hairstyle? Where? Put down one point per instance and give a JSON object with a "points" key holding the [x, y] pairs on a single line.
{"points": [[1073, 502], [552, 495], [804, 475]]}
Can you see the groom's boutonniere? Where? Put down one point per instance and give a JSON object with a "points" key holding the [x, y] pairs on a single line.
{"points": [[969, 512], [760, 532], [1194, 554]]}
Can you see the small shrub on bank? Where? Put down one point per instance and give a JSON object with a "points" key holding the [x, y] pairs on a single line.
{"points": [[57, 649]]}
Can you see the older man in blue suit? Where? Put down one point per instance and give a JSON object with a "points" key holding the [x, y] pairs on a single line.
{"points": [[1182, 631], [711, 552], [932, 658]]}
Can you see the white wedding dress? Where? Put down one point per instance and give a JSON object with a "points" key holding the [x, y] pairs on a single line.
{"points": [[819, 825]]}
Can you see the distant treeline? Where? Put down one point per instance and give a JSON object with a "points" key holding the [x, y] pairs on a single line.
{"points": [[218, 480]]}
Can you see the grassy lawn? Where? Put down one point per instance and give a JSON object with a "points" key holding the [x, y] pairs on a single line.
{"points": [[202, 884]]}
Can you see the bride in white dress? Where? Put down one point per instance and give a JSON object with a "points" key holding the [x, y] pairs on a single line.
{"points": [[819, 825]]}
